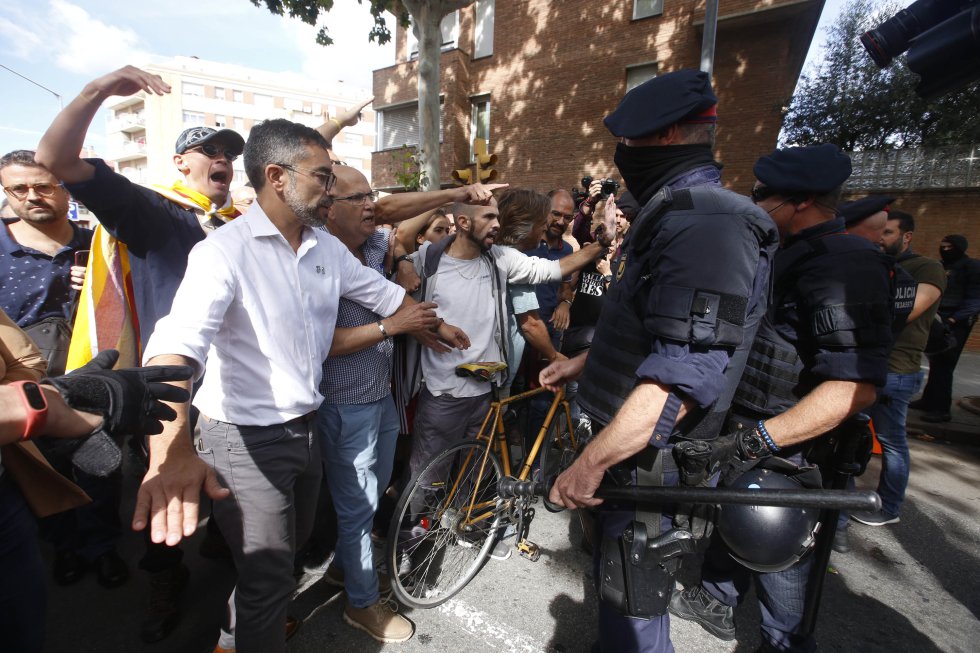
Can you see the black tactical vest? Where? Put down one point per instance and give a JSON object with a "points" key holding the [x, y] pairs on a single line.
{"points": [[639, 308]]}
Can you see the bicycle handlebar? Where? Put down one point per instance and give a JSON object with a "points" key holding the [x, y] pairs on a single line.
{"points": [[851, 500]]}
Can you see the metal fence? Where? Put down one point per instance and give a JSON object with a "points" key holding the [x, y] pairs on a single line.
{"points": [[916, 168]]}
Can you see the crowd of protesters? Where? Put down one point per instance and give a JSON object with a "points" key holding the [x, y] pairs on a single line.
{"points": [[324, 324]]}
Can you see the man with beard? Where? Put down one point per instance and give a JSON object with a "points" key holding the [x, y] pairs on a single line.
{"points": [[688, 292], [554, 299], [37, 253], [150, 231], [905, 375], [258, 307], [959, 308], [467, 276]]}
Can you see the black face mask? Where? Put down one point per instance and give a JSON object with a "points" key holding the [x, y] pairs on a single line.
{"points": [[951, 255], [646, 169]]}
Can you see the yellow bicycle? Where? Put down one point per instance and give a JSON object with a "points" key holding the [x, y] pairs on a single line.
{"points": [[450, 516]]}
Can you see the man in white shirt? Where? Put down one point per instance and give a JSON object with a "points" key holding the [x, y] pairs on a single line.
{"points": [[258, 303], [469, 286]]}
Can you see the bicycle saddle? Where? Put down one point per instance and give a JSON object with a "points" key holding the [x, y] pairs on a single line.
{"points": [[481, 371]]}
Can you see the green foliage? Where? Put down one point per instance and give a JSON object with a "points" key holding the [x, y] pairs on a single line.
{"points": [[409, 169], [309, 12], [847, 100]]}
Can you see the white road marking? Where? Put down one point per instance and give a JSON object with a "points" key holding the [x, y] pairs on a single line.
{"points": [[497, 636]]}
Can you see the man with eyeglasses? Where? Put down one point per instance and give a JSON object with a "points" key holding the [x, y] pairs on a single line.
{"points": [[818, 356], [257, 308], [158, 226], [37, 254]]}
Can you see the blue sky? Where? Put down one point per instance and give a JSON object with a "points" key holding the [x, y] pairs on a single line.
{"points": [[62, 44]]}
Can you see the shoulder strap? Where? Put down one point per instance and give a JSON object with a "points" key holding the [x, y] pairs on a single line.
{"points": [[641, 231]]}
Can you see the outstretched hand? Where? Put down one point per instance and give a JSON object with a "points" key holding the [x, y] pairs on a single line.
{"points": [[351, 115], [129, 80], [478, 193], [130, 401], [561, 372]]}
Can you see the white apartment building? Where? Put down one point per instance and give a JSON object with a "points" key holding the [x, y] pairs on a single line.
{"points": [[141, 129]]}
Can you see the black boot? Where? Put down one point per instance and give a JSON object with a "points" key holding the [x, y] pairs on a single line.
{"points": [[695, 604], [164, 611]]}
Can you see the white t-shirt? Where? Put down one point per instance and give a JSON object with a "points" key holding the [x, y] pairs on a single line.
{"points": [[464, 295]]}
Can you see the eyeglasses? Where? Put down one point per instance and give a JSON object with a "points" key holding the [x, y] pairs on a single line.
{"points": [[326, 178], [212, 152], [564, 216], [21, 191], [359, 199], [761, 193]]}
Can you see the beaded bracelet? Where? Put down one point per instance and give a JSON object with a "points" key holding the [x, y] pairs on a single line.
{"points": [[761, 427]]}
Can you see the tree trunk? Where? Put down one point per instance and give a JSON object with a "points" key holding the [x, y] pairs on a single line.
{"points": [[427, 17]]}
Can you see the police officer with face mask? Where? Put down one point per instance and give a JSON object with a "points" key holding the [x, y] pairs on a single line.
{"points": [[688, 291], [817, 359]]}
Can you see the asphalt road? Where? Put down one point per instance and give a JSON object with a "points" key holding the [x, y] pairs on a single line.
{"points": [[907, 587]]}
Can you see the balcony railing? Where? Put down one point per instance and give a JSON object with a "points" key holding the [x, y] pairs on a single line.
{"points": [[951, 167]]}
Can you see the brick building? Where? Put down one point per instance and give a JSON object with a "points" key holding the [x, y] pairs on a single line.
{"points": [[536, 78]]}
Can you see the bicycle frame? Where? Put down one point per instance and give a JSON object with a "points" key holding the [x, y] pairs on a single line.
{"points": [[495, 435]]}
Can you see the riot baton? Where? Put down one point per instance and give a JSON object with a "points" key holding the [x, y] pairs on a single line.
{"points": [[837, 500]]}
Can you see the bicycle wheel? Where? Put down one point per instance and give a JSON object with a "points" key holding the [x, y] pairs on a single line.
{"points": [[433, 548]]}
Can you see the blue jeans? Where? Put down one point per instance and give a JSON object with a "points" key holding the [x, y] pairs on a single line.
{"points": [[23, 590], [889, 415], [358, 449]]}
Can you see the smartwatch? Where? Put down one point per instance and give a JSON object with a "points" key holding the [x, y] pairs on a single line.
{"points": [[36, 407]]}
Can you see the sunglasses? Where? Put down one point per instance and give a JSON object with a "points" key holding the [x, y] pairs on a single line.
{"points": [[212, 151], [21, 191], [760, 193]]}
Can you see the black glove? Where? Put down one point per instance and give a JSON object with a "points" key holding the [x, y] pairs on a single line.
{"points": [[740, 451], [130, 400]]}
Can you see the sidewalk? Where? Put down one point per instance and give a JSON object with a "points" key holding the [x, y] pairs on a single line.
{"points": [[964, 428]]}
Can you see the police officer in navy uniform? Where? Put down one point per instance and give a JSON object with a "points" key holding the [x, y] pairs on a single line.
{"points": [[688, 291], [817, 359]]}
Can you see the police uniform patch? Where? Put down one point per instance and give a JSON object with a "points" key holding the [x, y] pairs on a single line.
{"points": [[621, 268]]}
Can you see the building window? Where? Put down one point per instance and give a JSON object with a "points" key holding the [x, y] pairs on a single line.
{"points": [[353, 139], [264, 101], [399, 126], [636, 75], [450, 34], [239, 125], [220, 122], [193, 118], [238, 96], [293, 104], [480, 121], [219, 92], [193, 90], [483, 34], [644, 8]]}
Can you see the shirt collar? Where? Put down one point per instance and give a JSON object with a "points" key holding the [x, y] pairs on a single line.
{"points": [[7, 242], [9, 245], [260, 225]]}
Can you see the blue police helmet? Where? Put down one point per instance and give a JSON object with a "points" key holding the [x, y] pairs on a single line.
{"points": [[854, 212], [815, 169], [658, 103]]}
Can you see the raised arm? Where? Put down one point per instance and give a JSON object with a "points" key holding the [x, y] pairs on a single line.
{"points": [[401, 206], [345, 118], [61, 145]]}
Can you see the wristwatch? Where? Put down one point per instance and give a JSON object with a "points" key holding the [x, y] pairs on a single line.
{"points": [[753, 445], [36, 407]]}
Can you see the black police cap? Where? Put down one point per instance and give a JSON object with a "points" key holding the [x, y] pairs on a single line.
{"points": [[813, 169], [865, 207], [661, 102]]}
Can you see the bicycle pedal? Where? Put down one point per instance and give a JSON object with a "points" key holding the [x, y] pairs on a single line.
{"points": [[529, 550]]}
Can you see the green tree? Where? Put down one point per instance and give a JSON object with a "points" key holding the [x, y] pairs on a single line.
{"points": [[847, 100], [426, 17]]}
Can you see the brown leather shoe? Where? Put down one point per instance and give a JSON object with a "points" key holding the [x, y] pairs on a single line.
{"points": [[380, 621]]}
